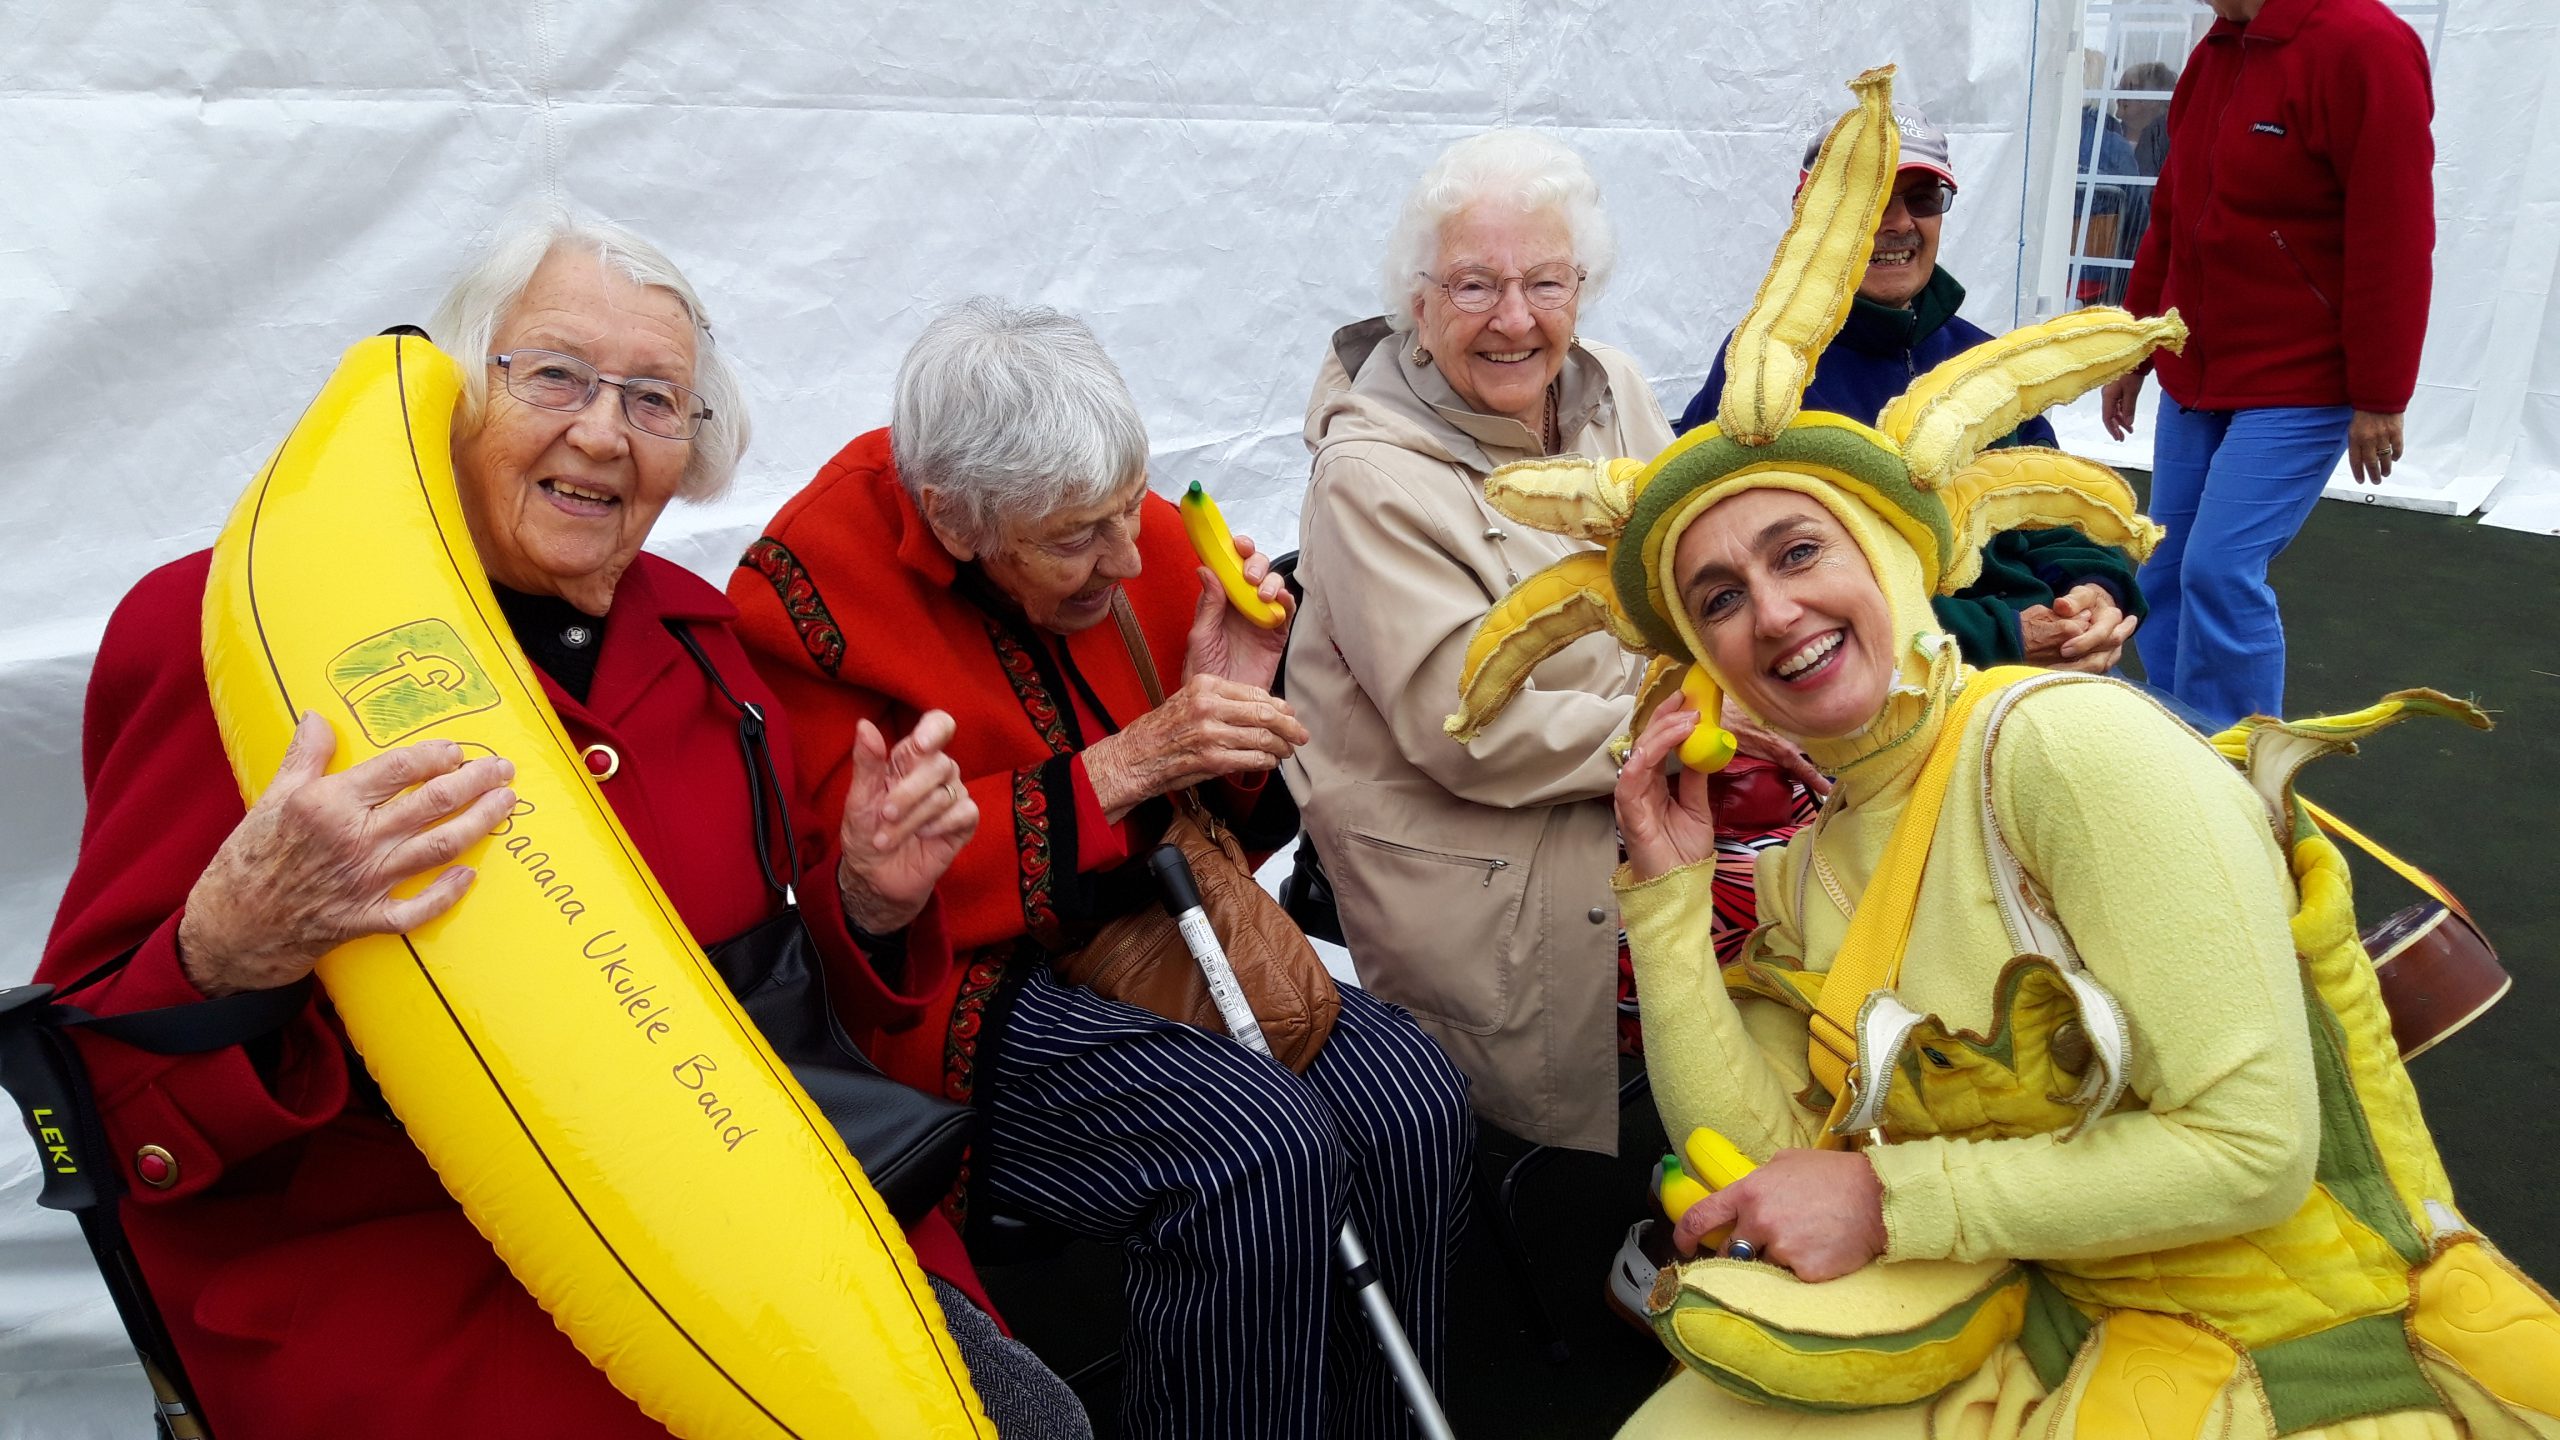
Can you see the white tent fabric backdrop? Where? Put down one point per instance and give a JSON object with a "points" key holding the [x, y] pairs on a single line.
{"points": [[210, 202]]}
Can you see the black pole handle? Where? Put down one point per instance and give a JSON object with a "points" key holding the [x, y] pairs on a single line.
{"points": [[1174, 882]]}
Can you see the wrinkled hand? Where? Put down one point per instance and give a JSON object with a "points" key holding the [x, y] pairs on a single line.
{"points": [[1819, 1213], [1226, 644], [2118, 402], [1209, 728], [1665, 824], [2373, 443], [906, 815], [2084, 630], [315, 862], [1753, 738]]}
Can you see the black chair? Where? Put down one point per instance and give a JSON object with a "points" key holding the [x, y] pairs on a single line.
{"points": [[42, 1072]]}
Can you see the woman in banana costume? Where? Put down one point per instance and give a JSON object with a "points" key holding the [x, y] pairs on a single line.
{"points": [[315, 1275], [2074, 1104]]}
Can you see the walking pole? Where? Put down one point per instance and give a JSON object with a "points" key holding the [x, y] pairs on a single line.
{"points": [[1181, 894]]}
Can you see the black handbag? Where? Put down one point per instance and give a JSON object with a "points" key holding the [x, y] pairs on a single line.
{"points": [[910, 1143]]}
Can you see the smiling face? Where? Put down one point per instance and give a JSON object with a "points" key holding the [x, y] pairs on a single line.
{"points": [[1501, 361], [1062, 567], [1789, 612], [1906, 248], [558, 502]]}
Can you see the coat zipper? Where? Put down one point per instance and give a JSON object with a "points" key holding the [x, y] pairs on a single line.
{"points": [[2304, 271], [1490, 866]]}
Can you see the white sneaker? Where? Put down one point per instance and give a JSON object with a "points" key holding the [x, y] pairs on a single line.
{"points": [[1640, 1258]]}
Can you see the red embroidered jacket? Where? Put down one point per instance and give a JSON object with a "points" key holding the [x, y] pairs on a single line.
{"points": [[854, 611], [2294, 221], [317, 1279]]}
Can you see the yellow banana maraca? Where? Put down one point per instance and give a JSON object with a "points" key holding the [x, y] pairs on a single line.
{"points": [[1216, 548], [1710, 746]]}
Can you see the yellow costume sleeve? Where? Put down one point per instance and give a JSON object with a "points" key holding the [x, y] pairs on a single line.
{"points": [[1734, 1064], [2160, 865]]}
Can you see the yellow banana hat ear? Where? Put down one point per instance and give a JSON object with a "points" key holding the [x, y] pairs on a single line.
{"points": [[2027, 487], [1948, 415], [1542, 615], [1567, 495], [1805, 296]]}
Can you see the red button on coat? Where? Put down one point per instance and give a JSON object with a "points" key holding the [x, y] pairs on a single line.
{"points": [[156, 1167], [601, 760]]}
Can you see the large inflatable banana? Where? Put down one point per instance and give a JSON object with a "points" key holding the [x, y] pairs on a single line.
{"points": [[556, 1043]]}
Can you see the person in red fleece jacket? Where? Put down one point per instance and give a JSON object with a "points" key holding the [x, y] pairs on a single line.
{"points": [[2293, 227], [315, 1278]]}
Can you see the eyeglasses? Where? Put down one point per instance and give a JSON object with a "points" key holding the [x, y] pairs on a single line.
{"points": [[1549, 287], [1927, 200], [555, 381]]}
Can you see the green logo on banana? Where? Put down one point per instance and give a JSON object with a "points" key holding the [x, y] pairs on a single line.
{"points": [[408, 678]]}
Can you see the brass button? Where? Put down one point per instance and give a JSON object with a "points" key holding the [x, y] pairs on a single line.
{"points": [[602, 761], [155, 1167], [1597, 915]]}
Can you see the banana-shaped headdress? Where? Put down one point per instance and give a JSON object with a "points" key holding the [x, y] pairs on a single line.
{"points": [[1921, 471]]}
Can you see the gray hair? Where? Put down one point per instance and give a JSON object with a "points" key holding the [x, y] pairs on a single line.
{"points": [[467, 323], [1533, 173], [1011, 412]]}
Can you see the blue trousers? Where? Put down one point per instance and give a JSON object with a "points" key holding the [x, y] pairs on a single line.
{"points": [[2232, 487], [1222, 1176]]}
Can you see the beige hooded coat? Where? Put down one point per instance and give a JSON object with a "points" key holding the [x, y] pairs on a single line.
{"points": [[1473, 881]]}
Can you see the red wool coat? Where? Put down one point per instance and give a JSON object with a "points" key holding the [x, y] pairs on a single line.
{"points": [[317, 1279], [2293, 225], [847, 605]]}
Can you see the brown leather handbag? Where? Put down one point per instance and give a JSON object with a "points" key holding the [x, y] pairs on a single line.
{"points": [[1140, 958]]}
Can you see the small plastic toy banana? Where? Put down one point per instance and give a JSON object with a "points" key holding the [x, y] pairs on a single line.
{"points": [[1676, 1188], [1710, 746], [1716, 1161], [1216, 548]]}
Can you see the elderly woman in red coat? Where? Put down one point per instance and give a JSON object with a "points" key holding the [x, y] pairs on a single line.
{"points": [[968, 558], [315, 1278]]}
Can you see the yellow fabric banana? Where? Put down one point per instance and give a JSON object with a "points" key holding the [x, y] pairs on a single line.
{"points": [[2028, 487], [1963, 404], [1805, 296], [1542, 615], [1567, 495], [1216, 547]]}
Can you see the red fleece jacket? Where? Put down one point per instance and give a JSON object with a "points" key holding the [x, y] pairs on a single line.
{"points": [[2294, 222], [318, 1281], [853, 611]]}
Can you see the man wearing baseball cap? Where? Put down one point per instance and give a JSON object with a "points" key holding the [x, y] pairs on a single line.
{"points": [[2046, 597]]}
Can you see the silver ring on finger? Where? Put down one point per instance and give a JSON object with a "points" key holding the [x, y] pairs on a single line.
{"points": [[1741, 1249]]}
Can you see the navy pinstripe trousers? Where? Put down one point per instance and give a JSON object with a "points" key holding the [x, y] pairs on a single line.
{"points": [[1221, 1176]]}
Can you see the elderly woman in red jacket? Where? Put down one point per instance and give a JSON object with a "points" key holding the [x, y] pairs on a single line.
{"points": [[2293, 227], [315, 1278], [967, 558]]}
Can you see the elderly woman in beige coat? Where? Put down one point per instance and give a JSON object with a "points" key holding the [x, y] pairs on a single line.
{"points": [[1473, 881]]}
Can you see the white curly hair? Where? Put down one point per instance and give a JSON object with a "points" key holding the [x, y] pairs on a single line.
{"points": [[1534, 173]]}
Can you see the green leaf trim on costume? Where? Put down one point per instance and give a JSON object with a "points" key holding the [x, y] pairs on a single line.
{"points": [[2363, 1367]]}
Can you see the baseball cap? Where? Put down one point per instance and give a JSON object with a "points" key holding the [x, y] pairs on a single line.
{"points": [[1924, 145]]}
